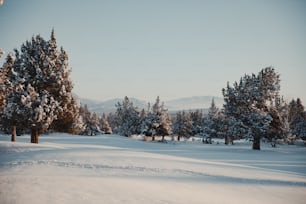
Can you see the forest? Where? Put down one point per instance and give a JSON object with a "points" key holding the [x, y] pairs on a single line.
{"points": [[36, 96]]}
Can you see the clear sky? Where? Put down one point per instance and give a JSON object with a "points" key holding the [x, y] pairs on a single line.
{"points": [[170, 48]]}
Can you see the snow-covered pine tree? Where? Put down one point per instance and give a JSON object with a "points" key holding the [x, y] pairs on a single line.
{"points": [[235, 129], [300, 128], [211, 120], [69, 119], [94, 124], [247, 102], [16, 110], [90, 121], [128, 118], [5, 86], [269, 85], [213, 110], [165, 127], [146, 121], [104, 125], [113, 121], [297, 118], [160, 120], [143, 116], [296, 112], [197, 122], [43, 70], [5, 73], [67, 116], [182, 125]]}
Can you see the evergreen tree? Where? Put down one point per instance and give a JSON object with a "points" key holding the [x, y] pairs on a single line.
{"points": [[296, 112], [128, 118], [213, 110], [235, 129], [146, 118], [5, 87], [113, 120], [211, 120], [182, 126], [247, 102], [160, 119], [42, 72], [90, 121], [17, 109], [300, 128], [297, 118], [156, 122], [197, 122], [94, 124], [5, 73], [165, 127], [104, 125]]}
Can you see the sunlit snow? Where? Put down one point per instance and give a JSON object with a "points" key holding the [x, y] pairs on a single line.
{"points": [[115, 169]]}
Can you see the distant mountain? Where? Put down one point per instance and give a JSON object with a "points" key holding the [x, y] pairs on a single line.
{"points": [[192, 103], [187, 103], [109, 105]]}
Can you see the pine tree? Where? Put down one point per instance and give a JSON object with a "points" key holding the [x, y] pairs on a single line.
{"points": [[247, 102], [300, 128], [165, 127], [157, 121], [68, 119], [211, 120], [235, 129], [114, 122], [42, 72], [67, 116], [128, 118], [16, 110], [160, 119], [296, 112], [104, 125], [182, 125], [5, 87], [90, 121], [5, 73], [197, 122], [297, 118], [213, 110]]}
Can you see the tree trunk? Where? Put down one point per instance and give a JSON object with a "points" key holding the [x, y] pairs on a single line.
{"points": [[153, 137], [231, 139], [256, 143], [34, 136], [178, 138], [13, 139], [226, 140]]}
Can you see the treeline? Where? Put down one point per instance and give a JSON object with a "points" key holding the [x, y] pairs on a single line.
{"points": [[36, 96], [253, 109], [278, 120]]}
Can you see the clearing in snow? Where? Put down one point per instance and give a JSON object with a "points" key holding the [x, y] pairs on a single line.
{"points": [[114, 169]]}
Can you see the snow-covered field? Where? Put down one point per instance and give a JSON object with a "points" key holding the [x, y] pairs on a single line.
{"points": [[114, 169]]}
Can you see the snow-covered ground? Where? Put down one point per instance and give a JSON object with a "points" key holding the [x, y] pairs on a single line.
{"points": [[113, 169]]}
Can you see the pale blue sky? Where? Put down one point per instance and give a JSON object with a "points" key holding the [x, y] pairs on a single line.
{"points": [[165, 47]]}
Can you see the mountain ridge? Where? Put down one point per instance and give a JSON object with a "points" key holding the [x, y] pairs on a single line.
{"points": [[184, 103]]}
